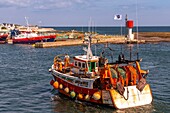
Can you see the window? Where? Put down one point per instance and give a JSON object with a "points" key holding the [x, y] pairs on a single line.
{"points": [[75, 63], [85, 84], [83, 65], [70, 79], [77, 82], [79, 64]]}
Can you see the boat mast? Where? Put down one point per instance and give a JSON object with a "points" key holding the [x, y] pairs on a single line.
{"points": [[89, 51], [126, 18], [28, 28], [137, 30]]}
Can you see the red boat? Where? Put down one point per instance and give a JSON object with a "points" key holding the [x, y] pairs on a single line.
{"points": [[30, 37], [3, 38], [121, 84]]}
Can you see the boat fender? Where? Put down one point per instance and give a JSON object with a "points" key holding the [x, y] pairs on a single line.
{"points": [[66, 90], [72, 94], [61, 86], [120, 88], [80, 96], [96, 96], [141, 84], [55, 85], [87, 97]]}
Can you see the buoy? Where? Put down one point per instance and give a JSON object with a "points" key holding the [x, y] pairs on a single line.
{"points": [[80, 96], [66, 90], [55, 85], [61, 86], [72, 94], [96, 96], [87, 97]]}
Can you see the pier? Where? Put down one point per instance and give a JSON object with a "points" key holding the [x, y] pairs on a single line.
{"points": [[115, 39]]}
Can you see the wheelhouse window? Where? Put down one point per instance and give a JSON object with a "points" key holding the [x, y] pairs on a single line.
{"points": [[85, 84], [83, 65], [79, 64], [75, 63], [77, 82]]}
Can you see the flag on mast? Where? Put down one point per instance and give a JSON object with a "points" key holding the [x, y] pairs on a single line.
{"points": [[117, 17]]}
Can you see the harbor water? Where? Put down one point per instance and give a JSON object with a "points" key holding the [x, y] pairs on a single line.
{"points": [[25, 80]]}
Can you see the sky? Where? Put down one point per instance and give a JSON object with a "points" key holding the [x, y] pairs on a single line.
{"points": [[85, 12]]}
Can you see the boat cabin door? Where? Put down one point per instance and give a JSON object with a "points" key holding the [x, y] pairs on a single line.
{"points": [[92, 66]]}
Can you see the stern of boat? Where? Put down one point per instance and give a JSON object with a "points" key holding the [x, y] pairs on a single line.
{"points": [[132, 97]]}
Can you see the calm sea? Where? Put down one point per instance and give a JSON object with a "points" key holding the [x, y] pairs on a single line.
{"points": [[25, 80]]}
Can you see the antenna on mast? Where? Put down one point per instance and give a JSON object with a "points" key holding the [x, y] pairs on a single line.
{"points": [[126, 18], [137, 30], [27, 23], [90, 24]]}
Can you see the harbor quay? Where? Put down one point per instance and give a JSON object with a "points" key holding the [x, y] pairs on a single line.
{"points": [[141, 37]]}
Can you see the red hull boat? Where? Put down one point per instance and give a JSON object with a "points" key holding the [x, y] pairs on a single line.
{"points": [[89, 78], [3, 38], [27, 38]]}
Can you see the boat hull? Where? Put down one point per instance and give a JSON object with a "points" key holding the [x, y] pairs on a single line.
{"points": [[32, 40], [132, 97]]}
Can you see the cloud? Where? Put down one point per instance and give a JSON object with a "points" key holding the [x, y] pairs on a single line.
{"points": [[15, 3], [41, 4]]}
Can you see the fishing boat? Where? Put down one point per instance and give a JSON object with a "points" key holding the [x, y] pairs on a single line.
{"points": [[120, 84]]}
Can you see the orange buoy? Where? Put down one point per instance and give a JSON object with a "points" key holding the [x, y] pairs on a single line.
{"points": [[55, 85], [96, 96], [80, 96]]}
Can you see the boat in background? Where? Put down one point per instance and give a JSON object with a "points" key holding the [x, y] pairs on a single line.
{"points": [[31, 37], [120, 84], [4, 32], [3, 38], [30, 34]]}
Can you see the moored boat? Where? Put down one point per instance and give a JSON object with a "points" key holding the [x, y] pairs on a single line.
{"points": [[121, 84], [30, 37], [3, 38]]}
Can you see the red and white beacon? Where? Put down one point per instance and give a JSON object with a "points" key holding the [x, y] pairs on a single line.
{"points": [[129, 26]]}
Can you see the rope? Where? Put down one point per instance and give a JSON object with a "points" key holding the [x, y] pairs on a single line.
{"points": [[127, 95]]}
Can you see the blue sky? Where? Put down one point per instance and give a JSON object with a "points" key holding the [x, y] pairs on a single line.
{"points": [[79, 12]]}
